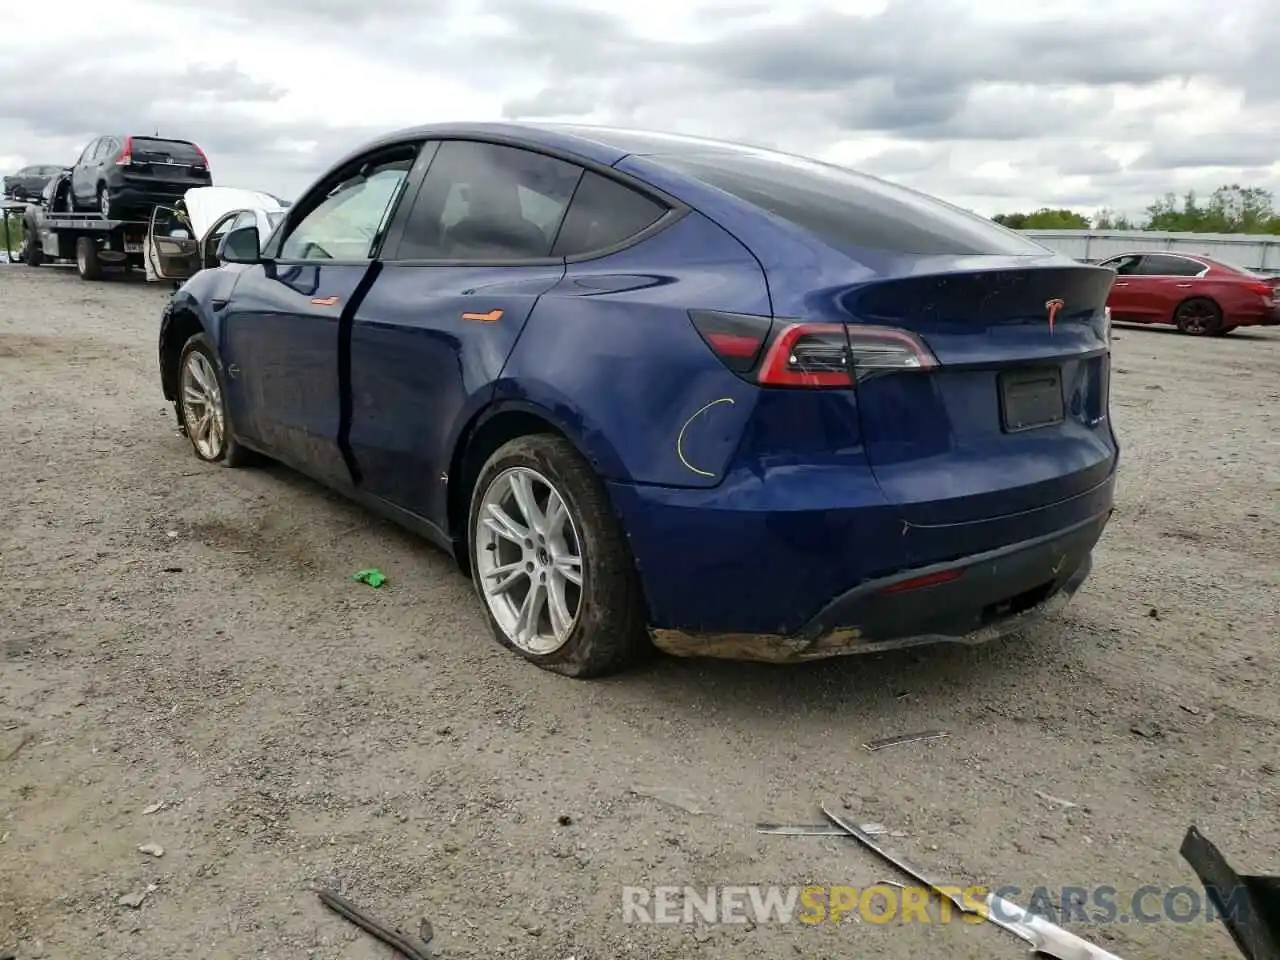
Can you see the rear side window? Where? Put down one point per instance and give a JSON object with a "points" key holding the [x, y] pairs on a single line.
{"points": [[177, 150], [604, 213], [850, 209], [1159, 265], [488, 202]]}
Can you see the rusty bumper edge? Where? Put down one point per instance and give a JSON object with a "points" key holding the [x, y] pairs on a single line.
{"points": [[778, 648]]}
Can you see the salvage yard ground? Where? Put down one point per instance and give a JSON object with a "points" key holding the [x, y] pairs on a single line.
{"points": [[188, 636]]}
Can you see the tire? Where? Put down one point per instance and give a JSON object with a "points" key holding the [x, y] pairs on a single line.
{"points": [[1225, 330], [606, 626], [87, 263], [69, 199], [31, 252], [1198, 317], [104, 202], [200, 370]]}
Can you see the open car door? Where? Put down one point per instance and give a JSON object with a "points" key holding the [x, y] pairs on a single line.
{"points": [[171, 250]]}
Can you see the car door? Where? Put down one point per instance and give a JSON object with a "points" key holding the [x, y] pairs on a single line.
{"points": [[1125, 293], [280, 327], [1164, 281], [83, 182], [462, 271]]}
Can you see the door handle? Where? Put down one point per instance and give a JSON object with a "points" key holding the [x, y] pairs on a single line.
{"points": [[1120, 283], [219, 304], [1184, 284]]}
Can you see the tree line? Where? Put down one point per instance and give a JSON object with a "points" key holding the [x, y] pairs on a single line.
{"points": [[1229, 209]]}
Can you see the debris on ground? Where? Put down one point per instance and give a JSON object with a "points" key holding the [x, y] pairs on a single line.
{"points": [[1147, 729], [373, 577], [152, 850], [153, 808], [22, 742], [880, 744], [133, 900], [1045, 938], [415, 948], [672, 797], [1056, 801]]}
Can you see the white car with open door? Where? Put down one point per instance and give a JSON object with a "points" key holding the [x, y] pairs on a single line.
{"points": [[182, 240]]}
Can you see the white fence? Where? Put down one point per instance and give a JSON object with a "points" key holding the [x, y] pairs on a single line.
{"points": [[1251, 251]]}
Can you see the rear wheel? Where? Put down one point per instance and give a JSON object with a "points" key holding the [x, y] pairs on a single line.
{"points": [[104, 202], [1198, 317], [550, 562], [87, 263], [30, 251]]}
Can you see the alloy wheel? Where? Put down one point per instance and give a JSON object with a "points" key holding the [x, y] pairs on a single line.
{"points": [[529, 560], [202, 413]]}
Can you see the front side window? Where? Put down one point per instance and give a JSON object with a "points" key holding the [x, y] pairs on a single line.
{"points": [[488, 202], [1125, 266], [347, 223]]}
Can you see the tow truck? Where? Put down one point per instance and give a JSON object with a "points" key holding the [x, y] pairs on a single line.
{"points": [[93, 241]]}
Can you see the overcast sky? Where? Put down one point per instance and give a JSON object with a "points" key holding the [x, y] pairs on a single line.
{"points": [[993, 104]]}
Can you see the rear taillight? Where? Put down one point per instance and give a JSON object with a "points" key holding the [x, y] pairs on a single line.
{"points": [[126, 154], [1261, 288], [204, 161], [791, 353]]}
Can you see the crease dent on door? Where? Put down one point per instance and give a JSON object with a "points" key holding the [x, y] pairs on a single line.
{"points": [[345, 322]]}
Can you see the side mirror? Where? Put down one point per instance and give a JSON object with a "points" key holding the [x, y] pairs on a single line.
{"points": [[240, 246]]}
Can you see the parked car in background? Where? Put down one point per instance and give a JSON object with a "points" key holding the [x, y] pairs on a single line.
{"points": [[29, 182], [123, 177], [654, 389], [184, 239], [1199, 295]]}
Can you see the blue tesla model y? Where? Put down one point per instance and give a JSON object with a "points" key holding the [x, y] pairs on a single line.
{"points": [[656, 390]]}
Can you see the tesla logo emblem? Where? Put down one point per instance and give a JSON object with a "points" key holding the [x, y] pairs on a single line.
{"points": [[490, 317], [1053, 306], [325, 301]]}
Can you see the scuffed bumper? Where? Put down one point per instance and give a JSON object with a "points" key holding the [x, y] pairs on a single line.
{"points": [[973, 600]]}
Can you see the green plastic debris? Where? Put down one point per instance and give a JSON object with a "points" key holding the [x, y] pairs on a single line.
{"points": [[373, 577]]}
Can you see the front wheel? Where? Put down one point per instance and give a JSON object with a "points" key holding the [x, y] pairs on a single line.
{"points": [[202, 407], [104, 202], [550, 562]]}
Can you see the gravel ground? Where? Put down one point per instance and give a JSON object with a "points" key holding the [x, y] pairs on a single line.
{"points": [[177, 634]]}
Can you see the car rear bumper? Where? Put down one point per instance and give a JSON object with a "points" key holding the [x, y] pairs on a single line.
{"points": [[972, 600]]}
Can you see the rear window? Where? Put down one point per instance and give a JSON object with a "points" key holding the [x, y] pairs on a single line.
{"points": [[179, 150], [851, 209]]}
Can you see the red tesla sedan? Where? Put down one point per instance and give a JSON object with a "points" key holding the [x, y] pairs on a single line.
{"points": [[1198, 295]]}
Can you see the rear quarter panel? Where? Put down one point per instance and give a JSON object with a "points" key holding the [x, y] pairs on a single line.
{"points": [[611, 355]]}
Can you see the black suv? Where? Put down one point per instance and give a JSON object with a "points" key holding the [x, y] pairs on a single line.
{"points": [[27, 183], [126, 176]]}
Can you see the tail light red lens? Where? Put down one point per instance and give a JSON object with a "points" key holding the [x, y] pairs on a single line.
{"points": [[1261, 288], [126, 155], [789, 353]]}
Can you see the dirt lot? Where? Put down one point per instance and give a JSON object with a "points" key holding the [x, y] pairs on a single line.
{"points": [[188, 635]]}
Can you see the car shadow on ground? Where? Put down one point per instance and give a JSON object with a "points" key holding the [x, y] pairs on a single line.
{"points": [[1255, 333], [877, 684]]}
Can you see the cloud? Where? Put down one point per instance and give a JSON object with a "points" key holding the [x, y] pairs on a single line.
{"points": [[991, 105]]}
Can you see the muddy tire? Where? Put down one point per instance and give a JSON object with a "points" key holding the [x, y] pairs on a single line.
{"points": [[1198, 317], [201, 405], [550, 562], [30, 252], [87, 263]]}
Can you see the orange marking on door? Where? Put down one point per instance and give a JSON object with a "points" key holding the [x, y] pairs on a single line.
{"points": [[324, 301], [489, 317]]}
